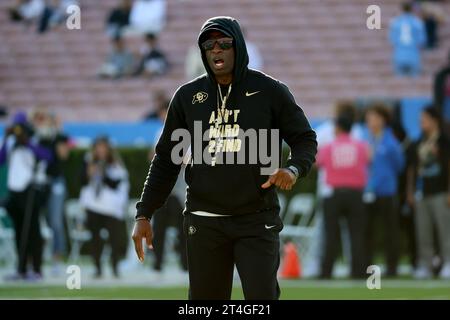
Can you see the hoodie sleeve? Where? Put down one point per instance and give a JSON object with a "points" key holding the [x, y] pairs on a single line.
{"points": [[322, 155], [296, 131], [162, 173]]}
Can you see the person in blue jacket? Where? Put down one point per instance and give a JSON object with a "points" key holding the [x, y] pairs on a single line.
{"points": [[387, 163], [407, 36]]}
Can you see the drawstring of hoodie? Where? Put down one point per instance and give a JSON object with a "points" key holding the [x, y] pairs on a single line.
{"points": [[220, 111], [221, 108]]}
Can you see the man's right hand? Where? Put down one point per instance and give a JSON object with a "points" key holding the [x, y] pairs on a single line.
{"points": [[142, 229]]}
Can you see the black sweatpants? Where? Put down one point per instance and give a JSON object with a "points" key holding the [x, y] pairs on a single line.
{"points": [[345, 203], [216, 244], [23, 208], [384, 208], [95, 223], [168, 215]]}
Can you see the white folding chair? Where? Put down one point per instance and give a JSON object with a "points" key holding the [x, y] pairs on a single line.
{"points": [[8, 254], [76, 221], [298, 222], [47, 237]]}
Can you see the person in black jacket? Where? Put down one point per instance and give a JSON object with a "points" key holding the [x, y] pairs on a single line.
{"points": [[232, 210], [429, 193]]}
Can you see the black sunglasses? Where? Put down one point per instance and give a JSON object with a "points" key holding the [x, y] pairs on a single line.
{"points": [[224, 43]]}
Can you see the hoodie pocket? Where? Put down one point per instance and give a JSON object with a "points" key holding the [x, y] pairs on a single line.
{"points": [[224, 186]]}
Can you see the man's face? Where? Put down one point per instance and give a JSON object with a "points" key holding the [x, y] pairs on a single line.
{"points": [[221, 61]]}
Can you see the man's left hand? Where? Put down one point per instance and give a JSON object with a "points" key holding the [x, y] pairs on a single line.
{"points": [[282, 178]]}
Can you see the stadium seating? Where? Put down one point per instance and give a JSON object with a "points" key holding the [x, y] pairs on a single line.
{"points": [[321, 49], [76, 226]]}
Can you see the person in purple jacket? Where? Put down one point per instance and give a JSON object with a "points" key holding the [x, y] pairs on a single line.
{"points": [[25, 160]]}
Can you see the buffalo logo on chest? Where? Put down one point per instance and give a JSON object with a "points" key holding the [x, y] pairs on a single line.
{"points": [[199, 97]]}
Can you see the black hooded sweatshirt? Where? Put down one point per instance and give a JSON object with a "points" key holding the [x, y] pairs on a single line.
{"points": [[256, 101]]}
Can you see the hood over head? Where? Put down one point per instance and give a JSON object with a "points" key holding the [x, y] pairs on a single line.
{"points": [[230, 27]]}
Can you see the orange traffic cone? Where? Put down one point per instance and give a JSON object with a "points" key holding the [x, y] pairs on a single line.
{"points": [[291, 267]]}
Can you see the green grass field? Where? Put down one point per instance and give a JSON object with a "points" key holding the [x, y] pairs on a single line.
{"points": [[293, 290]]}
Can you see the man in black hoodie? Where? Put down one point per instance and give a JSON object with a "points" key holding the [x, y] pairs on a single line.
{"points": [[232, 210]]}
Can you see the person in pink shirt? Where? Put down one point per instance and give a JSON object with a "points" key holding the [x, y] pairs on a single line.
{"points": [[345, 161]]}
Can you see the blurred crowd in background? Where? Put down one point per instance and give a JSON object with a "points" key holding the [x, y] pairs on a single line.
{"points": [[35, 152], [415, 29], [374, 181]]}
